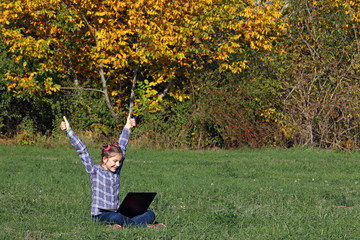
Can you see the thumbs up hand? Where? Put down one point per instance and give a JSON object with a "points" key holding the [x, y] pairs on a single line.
{"points": [[130, 122], [65, 126]]}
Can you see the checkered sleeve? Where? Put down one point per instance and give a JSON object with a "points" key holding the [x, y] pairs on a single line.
{"points": [[123, 140], [82, 151]]}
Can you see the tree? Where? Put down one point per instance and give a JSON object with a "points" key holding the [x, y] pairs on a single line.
{"points": [[319, 62], [111, 45]]}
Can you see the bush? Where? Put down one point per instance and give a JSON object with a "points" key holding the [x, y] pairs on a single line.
{"points": [[223, 112]]}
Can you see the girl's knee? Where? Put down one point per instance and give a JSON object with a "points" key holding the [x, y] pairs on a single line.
{"points": [[151, 214], [109, 218]]}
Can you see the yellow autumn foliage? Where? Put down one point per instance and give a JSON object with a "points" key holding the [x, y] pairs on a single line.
{"points": [[165, 39]]}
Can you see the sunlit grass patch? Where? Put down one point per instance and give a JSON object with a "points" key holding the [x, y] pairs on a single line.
{"points": [[245, 194]]}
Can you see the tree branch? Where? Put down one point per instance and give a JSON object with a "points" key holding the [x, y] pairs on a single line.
{"points": [[78, 88]]}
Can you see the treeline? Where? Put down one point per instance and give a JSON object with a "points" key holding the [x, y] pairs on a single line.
{"points": [[214, 74]]}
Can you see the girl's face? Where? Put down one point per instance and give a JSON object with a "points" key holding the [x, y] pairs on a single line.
{"points": [[112, 162]]}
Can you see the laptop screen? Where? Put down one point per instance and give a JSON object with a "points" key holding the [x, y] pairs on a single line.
{"points": [[136, 203]]}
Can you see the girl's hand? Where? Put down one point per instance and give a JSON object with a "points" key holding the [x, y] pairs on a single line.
{"points": [[65, 126], [130, 123]]}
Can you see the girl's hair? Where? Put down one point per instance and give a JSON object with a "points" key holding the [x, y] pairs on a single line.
{"points": [[108, 150]]}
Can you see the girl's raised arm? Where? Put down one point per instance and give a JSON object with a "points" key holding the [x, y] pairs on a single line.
{"points": [[124, 137], [79, 146]]}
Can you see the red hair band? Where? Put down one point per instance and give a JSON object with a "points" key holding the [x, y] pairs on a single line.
{"points": [[108, 147]]}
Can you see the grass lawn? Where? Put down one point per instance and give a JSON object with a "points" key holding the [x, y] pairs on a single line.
{"points": [[244, 194]]}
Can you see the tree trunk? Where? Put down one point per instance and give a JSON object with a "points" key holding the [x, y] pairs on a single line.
{"points": [[101, 67], [105, 91], [132, 95]]}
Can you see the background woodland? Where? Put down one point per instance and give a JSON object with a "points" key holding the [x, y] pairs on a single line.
{"points": [[195, 74]]}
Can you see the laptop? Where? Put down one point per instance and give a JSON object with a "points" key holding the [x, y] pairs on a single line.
{"points": [[136, 203]]}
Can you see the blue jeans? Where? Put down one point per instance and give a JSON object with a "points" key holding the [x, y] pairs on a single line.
{"points": [[117, 218]]}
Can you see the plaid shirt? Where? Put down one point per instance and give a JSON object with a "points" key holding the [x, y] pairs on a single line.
{"points": [[105, 184]]}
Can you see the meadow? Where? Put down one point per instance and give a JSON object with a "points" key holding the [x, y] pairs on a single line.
{"points": [[237, 194]]}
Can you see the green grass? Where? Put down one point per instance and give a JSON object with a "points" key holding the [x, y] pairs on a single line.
{"points": [[245, 194]]}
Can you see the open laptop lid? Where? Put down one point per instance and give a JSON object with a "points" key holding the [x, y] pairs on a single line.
{"points": [[136, 203]]}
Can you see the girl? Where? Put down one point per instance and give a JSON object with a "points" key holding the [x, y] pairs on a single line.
{"points": [[104, 179]]}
